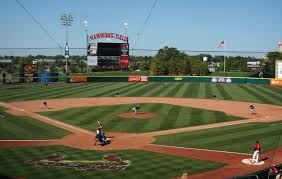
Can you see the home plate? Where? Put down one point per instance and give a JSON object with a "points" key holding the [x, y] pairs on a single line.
{"points": [[248, 161]]}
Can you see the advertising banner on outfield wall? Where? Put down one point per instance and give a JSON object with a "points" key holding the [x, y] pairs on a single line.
{"points": [[276, 82], [78, 79], [221, 80], [137, 79]]}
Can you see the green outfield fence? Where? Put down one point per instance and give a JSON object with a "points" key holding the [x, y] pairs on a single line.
{"points": [[242, 80], [162, 79]]}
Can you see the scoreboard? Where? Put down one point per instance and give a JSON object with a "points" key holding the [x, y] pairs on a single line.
{"points": [[108, 55]]}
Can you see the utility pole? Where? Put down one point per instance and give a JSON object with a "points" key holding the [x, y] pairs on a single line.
{"points": [[66, 20]]}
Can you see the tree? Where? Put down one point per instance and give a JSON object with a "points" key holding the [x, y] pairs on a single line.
{"points": [[269, 62], [168, 61], [198, 66]]}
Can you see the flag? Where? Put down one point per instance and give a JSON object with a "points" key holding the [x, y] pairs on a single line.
{"points": [[221, 45]]}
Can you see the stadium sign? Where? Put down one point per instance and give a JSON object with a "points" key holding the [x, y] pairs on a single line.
{"points": [[253, 64], [221, 80], [178, 78], [108, 35]]}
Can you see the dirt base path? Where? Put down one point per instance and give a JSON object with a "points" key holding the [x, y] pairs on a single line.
{"points": [[83, 139]]}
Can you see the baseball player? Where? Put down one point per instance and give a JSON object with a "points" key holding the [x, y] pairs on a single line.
{"points": [[252, 109], [45, 104], [100, 135], [136, 108], [116, 93], [257, 149]]}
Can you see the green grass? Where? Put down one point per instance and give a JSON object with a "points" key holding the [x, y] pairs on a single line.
{"points": [[144, 164], [237, 92], [237, 138], [22, 127], [168, 117]]}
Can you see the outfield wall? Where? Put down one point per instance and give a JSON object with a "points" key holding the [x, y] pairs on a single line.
{"points": [[55, 77], [205, 79]]}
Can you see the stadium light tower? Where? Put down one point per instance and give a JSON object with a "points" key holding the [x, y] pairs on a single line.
{"points": [[85, 22], [66, 20], [125, 25]]}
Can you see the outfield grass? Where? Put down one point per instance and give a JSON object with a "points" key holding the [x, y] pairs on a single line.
{"points": [[237, 138], [237, 92], [168, 117], [22, 127], [144, 164]]}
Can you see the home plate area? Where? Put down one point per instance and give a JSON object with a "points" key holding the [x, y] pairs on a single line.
{"points": [[249, 162]]}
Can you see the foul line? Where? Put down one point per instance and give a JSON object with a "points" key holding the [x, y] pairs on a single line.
{"points": [[55, 140], [61, 123], [49, 119], [219, 151], [18, 109]]}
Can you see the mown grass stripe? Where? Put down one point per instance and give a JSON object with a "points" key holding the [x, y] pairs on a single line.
{"points": [[60, 94], [208, 91], [180, 91], [263, 96], [107, 90], [169, 87], [269, 92], [173, 113], [34, 94], [18, 90], [124, 87], [202, 90], [223, 92], [158, 90], [30, 93], [54, 90], [238, 138], [175, 90], [192, 90], [251, 93], [92, 91], [186, 89], [134, 89], [141, 90]]}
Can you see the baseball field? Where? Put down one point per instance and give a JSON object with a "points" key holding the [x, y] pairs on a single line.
{"points": [[201, 129]]}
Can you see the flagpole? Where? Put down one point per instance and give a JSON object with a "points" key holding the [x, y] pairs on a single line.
{"points": [[224, 61]]}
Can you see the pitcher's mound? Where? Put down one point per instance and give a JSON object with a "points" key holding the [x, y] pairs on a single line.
{"points": [[139, 115], [249, 162]]}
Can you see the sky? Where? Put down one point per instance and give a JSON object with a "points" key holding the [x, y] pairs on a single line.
{"points": [[244, 25]]}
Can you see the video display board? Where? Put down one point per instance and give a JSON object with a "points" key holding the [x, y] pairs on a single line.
{"points": [[108, 55]]}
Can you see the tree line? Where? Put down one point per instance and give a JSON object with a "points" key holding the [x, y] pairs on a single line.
{"points": [[168, 61]]}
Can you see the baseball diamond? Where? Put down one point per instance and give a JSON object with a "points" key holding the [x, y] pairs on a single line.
{"points": [[187, 127]]}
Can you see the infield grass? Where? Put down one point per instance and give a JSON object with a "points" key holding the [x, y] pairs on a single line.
{"points": [[143, 164], [237, 92], [237, 138], [168, 117], [23, 127]]}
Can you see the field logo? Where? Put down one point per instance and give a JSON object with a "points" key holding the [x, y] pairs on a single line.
{"points": [[109, 162]]}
